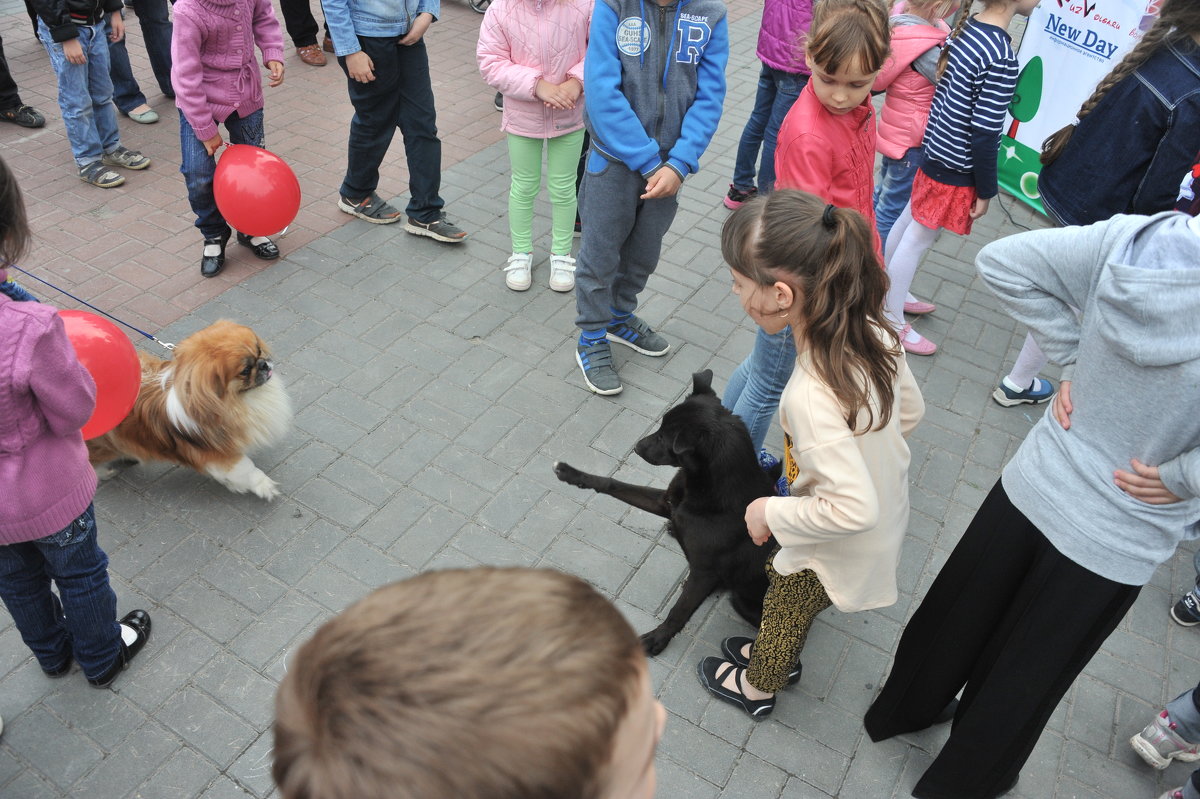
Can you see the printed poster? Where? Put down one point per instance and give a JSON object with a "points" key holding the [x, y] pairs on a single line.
{"points": [[1068, 48]]}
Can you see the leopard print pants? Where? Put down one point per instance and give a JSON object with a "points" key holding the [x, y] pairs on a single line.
{"points": [[789, 609]]}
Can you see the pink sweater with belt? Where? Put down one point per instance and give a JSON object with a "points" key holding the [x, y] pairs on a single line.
{"points": [[213, 70], [46, 396]]}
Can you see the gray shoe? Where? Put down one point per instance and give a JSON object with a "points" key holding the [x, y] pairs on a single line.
{"points": [[98, 175], [598, 373], [123, 156], [637, 335]]}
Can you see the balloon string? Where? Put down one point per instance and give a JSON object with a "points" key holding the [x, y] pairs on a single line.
{"points": [[163, 344]]}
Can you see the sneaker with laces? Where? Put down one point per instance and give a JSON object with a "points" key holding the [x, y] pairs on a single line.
{"points": [[638, 336], [440, 229], [518, 274], [97, 174], [599, 375], [1039, 391], [735, 197], [1159, 744], [123, 156], [562, 272], [1187, 610]]}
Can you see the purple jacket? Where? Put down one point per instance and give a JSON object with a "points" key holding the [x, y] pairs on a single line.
{"points": [[46, 396], [212, 59], [784, 23]]}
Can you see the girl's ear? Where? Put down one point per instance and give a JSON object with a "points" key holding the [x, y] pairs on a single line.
{"points": [[808, 62], [785, 295]]}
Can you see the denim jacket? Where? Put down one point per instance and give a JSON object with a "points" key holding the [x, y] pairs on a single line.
{"points": [[349, 19], [1127, 155]]}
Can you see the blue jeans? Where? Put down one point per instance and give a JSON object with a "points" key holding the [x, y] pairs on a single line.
{"points": [[401, 96], [156, 33], [777, 91], [85, 93], [83, 622], [198, 167], [895, 189], [755, 386]]}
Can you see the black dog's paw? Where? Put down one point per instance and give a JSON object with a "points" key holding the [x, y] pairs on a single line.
{"points": [[655, 641], [569, 474]]}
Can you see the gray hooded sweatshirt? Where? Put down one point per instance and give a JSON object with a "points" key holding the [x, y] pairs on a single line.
{"points": [[1133, 359]]}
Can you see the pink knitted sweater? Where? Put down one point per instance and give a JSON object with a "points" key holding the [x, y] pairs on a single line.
{"points": [[45, 397]]}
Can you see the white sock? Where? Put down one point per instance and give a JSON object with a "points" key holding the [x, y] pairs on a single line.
{"points": [[1030, 361], [128, 634], [257, 240], [212, 250], [910, 298], [912, 336]]}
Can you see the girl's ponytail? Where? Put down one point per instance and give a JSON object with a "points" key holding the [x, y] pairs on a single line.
{"points": [[944, 57], [1177, 19]]}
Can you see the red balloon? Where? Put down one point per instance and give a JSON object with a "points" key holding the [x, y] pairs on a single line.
{"points": [[109, 357], [256, 191]]}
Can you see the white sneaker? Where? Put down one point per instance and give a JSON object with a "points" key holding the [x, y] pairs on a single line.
{"points": [[562, 272], [517, 275]]}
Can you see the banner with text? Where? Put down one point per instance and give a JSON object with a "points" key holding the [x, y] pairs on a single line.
{"points": [[1068, 48]]}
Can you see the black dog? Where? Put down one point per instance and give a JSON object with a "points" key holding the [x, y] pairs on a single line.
{"points": [[706, 501]]}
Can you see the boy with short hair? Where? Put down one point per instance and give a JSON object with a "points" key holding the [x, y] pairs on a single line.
{"points": [[655, 86], [504, 683]]}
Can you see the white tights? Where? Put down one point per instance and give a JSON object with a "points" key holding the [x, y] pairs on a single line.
{"points": [[906, 245]]}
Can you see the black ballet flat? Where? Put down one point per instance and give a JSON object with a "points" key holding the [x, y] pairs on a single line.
{"points": [[211, 265], [732, 647], [266, 251], [139, 621], [713, 671]]}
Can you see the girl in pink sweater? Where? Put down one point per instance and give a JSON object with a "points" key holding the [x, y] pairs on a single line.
{"points": [[532, 52], [47, 523], [217, 80]]}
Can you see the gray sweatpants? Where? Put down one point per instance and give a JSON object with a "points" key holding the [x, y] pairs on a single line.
{"points": [[622, 239]]}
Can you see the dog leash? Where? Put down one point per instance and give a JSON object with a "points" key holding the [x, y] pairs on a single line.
{"points": [[165, 345]]}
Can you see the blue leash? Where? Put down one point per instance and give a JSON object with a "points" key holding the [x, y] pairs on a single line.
{"points": [[162, 344]]}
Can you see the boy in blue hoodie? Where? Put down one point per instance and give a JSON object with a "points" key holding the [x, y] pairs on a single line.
{"points": [[655, 82]]}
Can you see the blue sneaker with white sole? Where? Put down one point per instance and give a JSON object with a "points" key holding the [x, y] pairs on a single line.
{"points": [[1039, 391], [637, 335]]}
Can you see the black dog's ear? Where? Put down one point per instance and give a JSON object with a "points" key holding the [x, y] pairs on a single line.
{"points": [[683, 444], [702, 382]]}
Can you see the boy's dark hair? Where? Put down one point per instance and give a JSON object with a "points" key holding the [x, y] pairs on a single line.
{"points": [[487, 682], [829, 256], [1177, 20], [14, 227], [854, 33]]}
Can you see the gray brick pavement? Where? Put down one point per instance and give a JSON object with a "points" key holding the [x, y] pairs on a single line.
{"points": [[430, 405]]}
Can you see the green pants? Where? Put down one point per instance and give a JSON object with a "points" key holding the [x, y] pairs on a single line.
{"points": [[789, 609], [562, 159]]}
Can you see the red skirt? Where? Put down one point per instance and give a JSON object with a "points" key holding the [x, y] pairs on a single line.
{"points": [[936, 205]]}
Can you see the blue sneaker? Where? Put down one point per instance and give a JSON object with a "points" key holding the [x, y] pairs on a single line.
{"points": [[1187, 610], [1039, 391], [598, 372], [637, 335]]}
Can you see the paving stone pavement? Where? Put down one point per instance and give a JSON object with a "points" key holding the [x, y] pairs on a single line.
{"points": [[431, 403]]}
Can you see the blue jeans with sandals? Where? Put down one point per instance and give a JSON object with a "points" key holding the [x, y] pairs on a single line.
{"points": [[85, 93]]}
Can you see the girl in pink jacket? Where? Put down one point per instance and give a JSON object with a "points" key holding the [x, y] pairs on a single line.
{"points": [[532, 51]]}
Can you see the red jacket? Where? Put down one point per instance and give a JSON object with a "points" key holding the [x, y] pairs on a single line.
{"points": [[829, 155]]}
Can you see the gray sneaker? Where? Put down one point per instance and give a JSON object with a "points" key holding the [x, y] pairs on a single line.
{"points": [[99, 175], [637, 335], [123, 156], [598, 373], [1159, 744]]}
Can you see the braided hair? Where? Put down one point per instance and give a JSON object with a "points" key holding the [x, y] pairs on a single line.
{"points": [[1178, 19]]}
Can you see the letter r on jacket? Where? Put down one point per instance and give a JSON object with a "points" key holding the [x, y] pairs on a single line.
{"points": [[693, 38]]}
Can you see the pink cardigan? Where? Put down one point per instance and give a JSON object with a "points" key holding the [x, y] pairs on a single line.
{"points": [[46, 396], [213, 70], [522, 41]]}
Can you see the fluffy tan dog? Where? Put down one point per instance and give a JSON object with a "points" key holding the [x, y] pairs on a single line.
{"points": [[216, 401]]}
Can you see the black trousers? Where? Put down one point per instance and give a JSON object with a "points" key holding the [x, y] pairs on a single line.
{"points": [[9, 96], [300, 23], [1011, 622]]}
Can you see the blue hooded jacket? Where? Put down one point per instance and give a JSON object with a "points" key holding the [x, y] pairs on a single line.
{"points": [[655, 78]]}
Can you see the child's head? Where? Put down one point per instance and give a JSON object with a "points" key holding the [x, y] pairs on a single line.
{"points": [[1177, 19], [14, 229], [846, 46], [505, 683], [1018, 8], [801, 262], [932, 10]]}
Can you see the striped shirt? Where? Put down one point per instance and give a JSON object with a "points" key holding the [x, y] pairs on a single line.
{"points": [[967, 115]]}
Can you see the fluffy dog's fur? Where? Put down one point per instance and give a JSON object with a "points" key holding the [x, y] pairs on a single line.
{"points": [[216, 401], [706, 501]]}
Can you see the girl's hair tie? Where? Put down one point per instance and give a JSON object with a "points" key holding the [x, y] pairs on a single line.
{"points": [[827, 217]]}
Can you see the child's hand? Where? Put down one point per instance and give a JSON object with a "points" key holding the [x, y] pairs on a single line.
{"points": [[419, 26], [756, 521], [1062, 407], [360, 67], [276, 68], [552, 95], [73, 52], [663, 183], [212, 144], [571, 90], [979, 208], [118, 27], [1144, 483]]}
